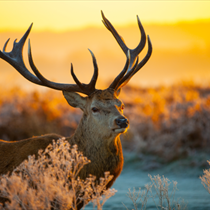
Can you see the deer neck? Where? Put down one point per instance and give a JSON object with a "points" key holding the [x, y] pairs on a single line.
{"points": [[91, 138], [104, 152], [97, 140]]}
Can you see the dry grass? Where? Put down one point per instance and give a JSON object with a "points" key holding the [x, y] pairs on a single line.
{"points": [[169, 122], [43, 113], [205, 179], [51, 181], [163, 198]]}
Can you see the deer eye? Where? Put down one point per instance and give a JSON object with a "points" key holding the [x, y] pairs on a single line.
{"points": [[94, 109]]}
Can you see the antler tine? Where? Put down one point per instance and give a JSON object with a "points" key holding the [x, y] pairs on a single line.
{"points": [[15, 58], [23, 39], [109, 26], [78, 87], [91, 86], [75, 77], [95, 74], [128, 76], [134, 52], [44, 81], [5, 45], [146, 58], [122, 73], [133, 66], [142, 42]]}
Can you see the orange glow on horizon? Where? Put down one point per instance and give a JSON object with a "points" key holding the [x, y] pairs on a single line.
{"points": [[61, 35], [66, 15]]}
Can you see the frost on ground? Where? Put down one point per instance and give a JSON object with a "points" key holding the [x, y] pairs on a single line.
{"points": [[163, 198]]}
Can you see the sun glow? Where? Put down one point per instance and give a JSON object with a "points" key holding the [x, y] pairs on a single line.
{"points": [[62, 32], [65, 15]]}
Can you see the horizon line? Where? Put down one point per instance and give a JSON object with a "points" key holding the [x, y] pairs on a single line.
{"points": [[87, 26]]}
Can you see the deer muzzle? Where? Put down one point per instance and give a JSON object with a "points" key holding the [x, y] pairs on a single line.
{"points": [[122, 122]]}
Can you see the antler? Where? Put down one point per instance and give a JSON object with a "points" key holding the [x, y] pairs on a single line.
{"points": [[133, 67], [15, 58]]}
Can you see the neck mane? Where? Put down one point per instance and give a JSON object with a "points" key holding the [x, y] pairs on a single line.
{"points": [[105, 153]]}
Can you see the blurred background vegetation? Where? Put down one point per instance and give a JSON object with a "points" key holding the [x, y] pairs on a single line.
{"points": [[169, 122]]}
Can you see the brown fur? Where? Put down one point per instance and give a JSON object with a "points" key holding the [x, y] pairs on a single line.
{"points": [[95, 137]]}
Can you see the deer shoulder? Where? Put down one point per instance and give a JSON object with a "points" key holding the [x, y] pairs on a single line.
{"points": [[12, 153]]}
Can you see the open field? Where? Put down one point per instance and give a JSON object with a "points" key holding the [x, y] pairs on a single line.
{"points": [[169, 133], [170, 123], [169, 130]]}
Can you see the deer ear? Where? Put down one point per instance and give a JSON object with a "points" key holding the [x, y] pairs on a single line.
{"points": [[75, 100]]}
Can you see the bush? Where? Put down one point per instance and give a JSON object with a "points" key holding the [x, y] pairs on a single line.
{"points": [[205, 179], [170, 122], [51, 181], [165, 199]]}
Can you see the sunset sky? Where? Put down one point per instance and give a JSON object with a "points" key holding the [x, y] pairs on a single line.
{"points": [[63, 30], [64, 15]]}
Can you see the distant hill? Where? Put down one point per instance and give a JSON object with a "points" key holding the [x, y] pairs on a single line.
{"points": [[180, 52]]}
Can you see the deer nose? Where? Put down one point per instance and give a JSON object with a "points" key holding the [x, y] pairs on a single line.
{"points": [[122, 122]]}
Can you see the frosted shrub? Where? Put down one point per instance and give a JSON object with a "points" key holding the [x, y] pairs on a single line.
{"points": [[51, 181], [166, 200], [140, 197], [205, 179], [101, 195]]}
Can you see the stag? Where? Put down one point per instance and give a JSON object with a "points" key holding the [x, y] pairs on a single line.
{"points": [[102, 123]]}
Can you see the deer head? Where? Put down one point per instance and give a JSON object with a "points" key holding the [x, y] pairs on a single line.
{"points": [[99, 106]]}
